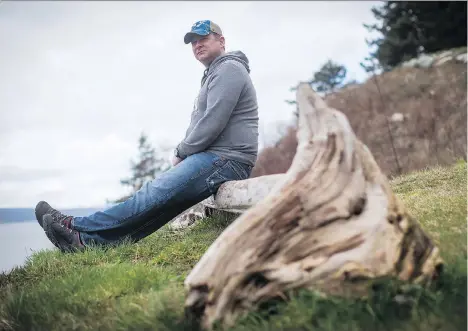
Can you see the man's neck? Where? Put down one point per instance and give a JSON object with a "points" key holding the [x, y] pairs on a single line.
{"points": [[209, 63]]}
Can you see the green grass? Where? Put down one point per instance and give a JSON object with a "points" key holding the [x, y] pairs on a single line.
{"points": [[140, 286]]}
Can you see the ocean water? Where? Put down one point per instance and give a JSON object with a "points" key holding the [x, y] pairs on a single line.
{"points": [[18, 240]]}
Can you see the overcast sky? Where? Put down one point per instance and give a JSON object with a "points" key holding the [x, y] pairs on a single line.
{"points": [[80, 80]]}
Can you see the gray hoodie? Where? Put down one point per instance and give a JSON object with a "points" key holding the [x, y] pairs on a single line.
{"points": [[225, 113]]}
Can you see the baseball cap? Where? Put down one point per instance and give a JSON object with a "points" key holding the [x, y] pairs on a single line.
{"points": [[202, 28]]}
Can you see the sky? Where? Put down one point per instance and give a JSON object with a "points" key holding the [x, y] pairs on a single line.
{"points": [[79, 82]]}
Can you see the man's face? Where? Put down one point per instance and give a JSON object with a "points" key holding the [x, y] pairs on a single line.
{"points": [[207, 48]]}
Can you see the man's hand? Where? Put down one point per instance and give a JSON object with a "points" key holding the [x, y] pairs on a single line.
{"points": [[176, 160]]}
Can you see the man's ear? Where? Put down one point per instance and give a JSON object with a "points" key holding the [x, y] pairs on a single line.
{"points": [[223, 41]]}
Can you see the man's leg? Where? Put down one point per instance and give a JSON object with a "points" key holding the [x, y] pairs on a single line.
{"points": [[160, 200]]}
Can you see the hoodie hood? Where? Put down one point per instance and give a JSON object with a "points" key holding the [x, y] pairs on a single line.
{"points": [[238, 56], [234, 55]]}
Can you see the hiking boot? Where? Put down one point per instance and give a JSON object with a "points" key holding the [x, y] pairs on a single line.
{"points": [[61, 234], [43, 208]]}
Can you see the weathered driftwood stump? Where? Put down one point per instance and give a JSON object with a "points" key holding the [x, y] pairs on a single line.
{"points": [[331, 224]]}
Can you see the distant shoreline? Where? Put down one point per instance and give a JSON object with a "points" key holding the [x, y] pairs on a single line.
{"points": [[15, 221], [15, 215]]}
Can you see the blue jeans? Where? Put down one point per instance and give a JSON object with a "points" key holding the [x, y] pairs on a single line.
{"points": [[160, 200]]}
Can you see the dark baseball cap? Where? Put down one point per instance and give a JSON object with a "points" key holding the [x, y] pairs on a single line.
{"points": [[202, 28]]}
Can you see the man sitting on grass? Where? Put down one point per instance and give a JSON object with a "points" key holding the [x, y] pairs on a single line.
{"points": [[221, 144]]}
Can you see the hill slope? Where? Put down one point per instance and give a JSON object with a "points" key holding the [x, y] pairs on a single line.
{"points": [[134, 287], [420, 106]]}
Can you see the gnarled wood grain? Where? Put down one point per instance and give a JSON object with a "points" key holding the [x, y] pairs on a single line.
{"points": [[330, 223]]}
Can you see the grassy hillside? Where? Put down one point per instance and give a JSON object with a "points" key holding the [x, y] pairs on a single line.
{"points": [[136, 287]]}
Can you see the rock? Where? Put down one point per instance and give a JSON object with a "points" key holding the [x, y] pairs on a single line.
{"points": [[187, 218], [445, 54], [409, 64], [443, 60], [397, 117], [425, 61], [461, 57]]}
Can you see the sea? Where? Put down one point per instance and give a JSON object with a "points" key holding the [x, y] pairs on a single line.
{"points": [[21, 235]]}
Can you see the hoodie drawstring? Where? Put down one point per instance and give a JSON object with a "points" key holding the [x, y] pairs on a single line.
{"points": [[205, 74]]}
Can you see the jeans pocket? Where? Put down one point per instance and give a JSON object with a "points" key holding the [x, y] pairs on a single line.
{"points": [[227, 171], [242, 170], [215, 180]]}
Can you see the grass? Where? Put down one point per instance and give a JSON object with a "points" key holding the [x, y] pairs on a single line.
{"points": [[140, 286]]}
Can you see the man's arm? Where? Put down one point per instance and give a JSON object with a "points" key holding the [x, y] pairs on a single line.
{"points": [[224, 91]]}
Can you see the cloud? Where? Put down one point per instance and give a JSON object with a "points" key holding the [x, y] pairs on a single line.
{"points": [[18, 174], [81, 80]]}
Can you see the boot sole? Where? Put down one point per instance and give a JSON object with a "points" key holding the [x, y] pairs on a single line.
{"points": [[40, 219], [48, 231]]}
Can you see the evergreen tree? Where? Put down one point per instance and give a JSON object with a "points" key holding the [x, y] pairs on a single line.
{"points": [[410, 28], [330, 76], [145, 168]]}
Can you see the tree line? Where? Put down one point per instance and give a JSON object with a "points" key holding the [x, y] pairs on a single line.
{"points": [[406, 30]]}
